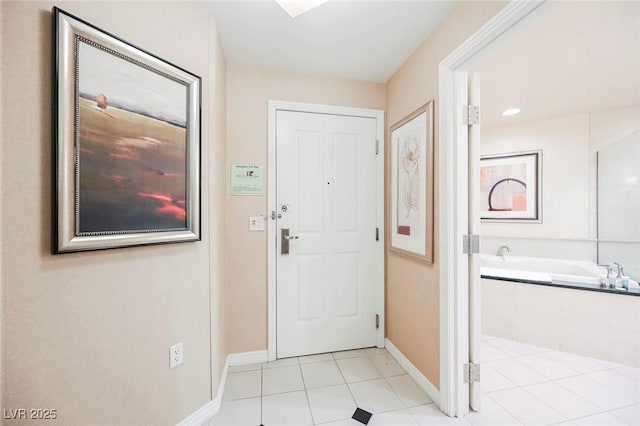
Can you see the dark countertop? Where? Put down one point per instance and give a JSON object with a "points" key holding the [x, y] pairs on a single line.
{"points": [[575, 286]]}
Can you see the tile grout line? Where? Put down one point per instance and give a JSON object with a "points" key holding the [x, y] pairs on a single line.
{"points": [[306, 394], [353, 398]]}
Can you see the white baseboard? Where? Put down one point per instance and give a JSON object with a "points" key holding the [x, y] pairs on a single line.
{"points": [[245, 358], [211, 408], [432, 392], [203, 414]]}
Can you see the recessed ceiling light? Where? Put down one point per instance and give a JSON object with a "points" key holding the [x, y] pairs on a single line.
{"points": [[510, 111], [298, 7]]}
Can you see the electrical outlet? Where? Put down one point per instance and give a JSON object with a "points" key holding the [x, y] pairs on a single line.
{"points": [[176, 355]]}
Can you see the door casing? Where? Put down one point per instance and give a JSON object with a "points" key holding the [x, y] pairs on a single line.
{"points": [[378, 115], [452, 186]]}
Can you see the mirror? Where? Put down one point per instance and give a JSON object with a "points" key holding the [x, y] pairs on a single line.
{"points": [[619, 204]]}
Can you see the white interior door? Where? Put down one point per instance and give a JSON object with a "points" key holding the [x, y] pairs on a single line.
{"points": [[467, 179], [327, 202], [475, 337]]}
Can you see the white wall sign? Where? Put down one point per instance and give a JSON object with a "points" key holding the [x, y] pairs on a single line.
{"points": [[247, 179]]}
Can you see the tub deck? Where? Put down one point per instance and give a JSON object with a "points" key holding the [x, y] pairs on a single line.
{"points": [[580, 275]]}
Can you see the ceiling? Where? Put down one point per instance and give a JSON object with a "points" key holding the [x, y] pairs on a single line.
{"points": [[364, 40], [564, 58]]}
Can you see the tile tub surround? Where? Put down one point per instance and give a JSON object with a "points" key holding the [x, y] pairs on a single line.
{"points": [[605, 326], [522, 385]]}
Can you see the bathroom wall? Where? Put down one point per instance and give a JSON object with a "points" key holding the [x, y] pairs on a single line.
{"points": [[609, 127], [569, 185], [564, 142], [248, 93], [413, 288], [88, 334]]}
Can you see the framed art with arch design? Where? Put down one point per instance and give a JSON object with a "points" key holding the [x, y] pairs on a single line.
{"points": [[510, 187]]}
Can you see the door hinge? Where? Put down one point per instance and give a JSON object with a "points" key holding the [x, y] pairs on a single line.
{"points": [[471, 373], [471, 114], [377, 147], [377, 321], [377, 234], [470, 244]]}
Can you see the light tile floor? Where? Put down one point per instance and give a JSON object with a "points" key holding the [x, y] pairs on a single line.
{"points": [[522, 385]]}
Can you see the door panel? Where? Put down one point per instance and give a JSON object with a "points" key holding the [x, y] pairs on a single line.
{"points": [[326, 194]]}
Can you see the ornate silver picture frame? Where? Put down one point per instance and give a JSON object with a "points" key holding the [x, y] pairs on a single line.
{"points": [[127, 143]]}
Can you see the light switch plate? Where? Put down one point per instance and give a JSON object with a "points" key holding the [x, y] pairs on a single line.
{"points": [[176, 355]]}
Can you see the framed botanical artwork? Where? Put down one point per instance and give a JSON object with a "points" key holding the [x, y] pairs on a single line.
{"points": [[411, 192], [510, 187], [127, 143]]}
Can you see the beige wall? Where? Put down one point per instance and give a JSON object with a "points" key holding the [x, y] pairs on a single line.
{"points": [[88, 333], [248, 92], [412, 288], [217, 218]]}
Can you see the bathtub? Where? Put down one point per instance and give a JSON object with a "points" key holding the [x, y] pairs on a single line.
{"points": [[574, 273]]}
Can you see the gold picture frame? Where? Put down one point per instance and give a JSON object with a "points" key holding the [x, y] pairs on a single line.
{"points": [[411, 187]]}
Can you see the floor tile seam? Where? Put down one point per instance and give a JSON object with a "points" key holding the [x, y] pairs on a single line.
{"points": [[543, 354], [512, 414], [503, 409], [325, 386], [276, 366], [548, 379], [554, 378], [407, 409], [571, 390], [306, 394], [501, 375], [547, 405], [318, 362], [282, 393], [438, 408], [620, 408], [596, 414], [608, 386], [353, 398], [244, 398], [396, 393], [625, 375], [360, 381], [347, 385], [580, 397], [500, 390], [619, 377]]}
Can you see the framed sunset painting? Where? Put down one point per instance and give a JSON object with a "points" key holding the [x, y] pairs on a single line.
{"points": [[510, 187], [411, 186], [127, 143]]}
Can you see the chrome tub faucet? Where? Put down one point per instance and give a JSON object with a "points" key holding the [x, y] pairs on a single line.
{"points": [[501, 252]]}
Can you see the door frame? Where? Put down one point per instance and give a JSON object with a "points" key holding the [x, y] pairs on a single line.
{"points": [[452, 176], [378, 115]]}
